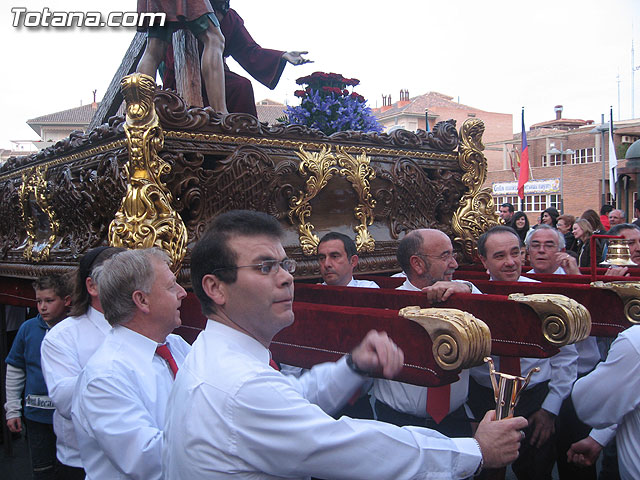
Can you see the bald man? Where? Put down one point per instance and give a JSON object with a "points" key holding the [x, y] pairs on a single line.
{"points": [[428, 259]]}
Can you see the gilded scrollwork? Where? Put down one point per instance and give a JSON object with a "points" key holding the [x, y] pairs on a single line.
{"points": [[318, 168], [629, 292], [146, 217], [460, 340], [38, 216], [475, 214], [358, 171], [564, 321]]}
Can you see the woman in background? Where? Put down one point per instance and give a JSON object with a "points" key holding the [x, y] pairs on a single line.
{"points": [[565, 226], [582, 231]]}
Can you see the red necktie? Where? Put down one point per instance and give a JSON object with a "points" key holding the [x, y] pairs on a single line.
{"points": [[510, 365], [273, 364], [438, 399], [164, 352]]}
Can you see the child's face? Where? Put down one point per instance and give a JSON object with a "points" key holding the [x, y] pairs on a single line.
{"points": [[51, 307]]}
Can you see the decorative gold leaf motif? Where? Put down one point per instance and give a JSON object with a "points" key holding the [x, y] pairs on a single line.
{"points": [[476, 213], [319, 168], [564, 321], [629, 292], [460, 340], [146, 218], [37, 214]]}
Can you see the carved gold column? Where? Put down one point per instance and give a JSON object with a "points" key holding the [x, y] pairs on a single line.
{"points": [[37, 214], [146, 218], [475, 214]]}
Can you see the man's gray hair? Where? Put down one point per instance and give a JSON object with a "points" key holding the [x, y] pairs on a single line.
{"points": [[123, 274], [544, 226]]}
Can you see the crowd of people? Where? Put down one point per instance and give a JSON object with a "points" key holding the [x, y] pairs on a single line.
{"points": [[577, 231], [110, 392]]}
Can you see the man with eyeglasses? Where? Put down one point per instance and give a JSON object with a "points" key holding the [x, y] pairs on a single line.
{"points": [[546, 245], [428, 259], [231, 415], [540, 402]]}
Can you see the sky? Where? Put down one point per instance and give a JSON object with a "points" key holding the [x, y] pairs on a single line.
{"points": [[495, 55]]}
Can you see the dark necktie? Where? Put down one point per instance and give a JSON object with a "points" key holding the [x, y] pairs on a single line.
{"points": [[164, 352]]}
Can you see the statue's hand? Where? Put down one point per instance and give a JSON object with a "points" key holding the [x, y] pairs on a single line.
{"points": [[296, 58]]}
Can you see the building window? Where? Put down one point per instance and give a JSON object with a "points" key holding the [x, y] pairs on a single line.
{"points": [[532, 203], [552, 160], [584, 155], [512, 199]]}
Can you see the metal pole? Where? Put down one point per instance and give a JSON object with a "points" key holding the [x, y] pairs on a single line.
{"points": [[604, 171], [562, 178]]}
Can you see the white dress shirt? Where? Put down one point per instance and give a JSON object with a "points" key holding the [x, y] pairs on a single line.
{"points": [[561, 370], [611, 395], [232, 416], [412, 399], [119, 405], [65, 351], [359, 283]]}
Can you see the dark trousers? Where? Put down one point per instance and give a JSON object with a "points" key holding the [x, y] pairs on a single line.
{"points": [[569, 429], [454, 425], [42, 447], [65, 472], [532, 463]]}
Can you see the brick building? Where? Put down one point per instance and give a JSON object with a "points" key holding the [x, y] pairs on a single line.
{"points": [[411, 113], [571, 181]]}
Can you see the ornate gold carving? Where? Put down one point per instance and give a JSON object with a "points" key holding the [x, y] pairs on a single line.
{"points": [[460, 340], [319, 168], [38, 216], [629, 292], [270, 142], [564, 321], [475, 214], [359, 172], [146, 218]]}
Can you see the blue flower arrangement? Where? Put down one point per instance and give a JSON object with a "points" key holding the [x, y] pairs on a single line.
{"points": [[329, 106]]}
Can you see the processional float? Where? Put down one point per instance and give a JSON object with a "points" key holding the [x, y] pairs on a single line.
{"points": [[158, 175]]}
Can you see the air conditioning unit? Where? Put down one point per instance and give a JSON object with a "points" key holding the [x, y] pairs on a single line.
{"points": [[628, 139]]}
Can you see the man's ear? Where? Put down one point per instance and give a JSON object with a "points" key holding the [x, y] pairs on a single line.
{"points": [[417, 265], [141, 300], [92, 286], [354, 261], [215, 289], [484, 261]]}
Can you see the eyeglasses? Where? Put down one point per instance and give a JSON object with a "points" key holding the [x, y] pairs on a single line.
{"points": [[445, 257], [543, 246], [266, 267]]}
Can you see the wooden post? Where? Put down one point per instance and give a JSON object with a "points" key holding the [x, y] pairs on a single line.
{"points": [[187, 61]]}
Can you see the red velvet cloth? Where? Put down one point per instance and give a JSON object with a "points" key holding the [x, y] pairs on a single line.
{"points": [[515, 327], [17, 291], [605, 306]]}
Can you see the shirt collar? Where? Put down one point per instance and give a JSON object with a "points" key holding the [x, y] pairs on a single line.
{"points": [[97, 318], [248, 344], [407, 285], [138, 345]]}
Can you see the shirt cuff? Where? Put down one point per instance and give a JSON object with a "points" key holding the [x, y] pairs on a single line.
{"points": [[603, 435], [470, 458], [552, 404]]}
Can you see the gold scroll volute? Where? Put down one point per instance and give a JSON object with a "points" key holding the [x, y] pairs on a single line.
{"points": [[460, 340], [564, 321], [629, 292]]}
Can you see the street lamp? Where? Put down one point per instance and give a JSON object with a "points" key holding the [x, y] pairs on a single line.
{"points": [[562, 153]]}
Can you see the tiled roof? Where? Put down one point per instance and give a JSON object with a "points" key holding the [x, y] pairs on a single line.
{"points": [[269, 111], [77, 116], [417, 105]]}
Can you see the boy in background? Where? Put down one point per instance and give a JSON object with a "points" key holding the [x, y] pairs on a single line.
{"points": [[24, 373]]}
